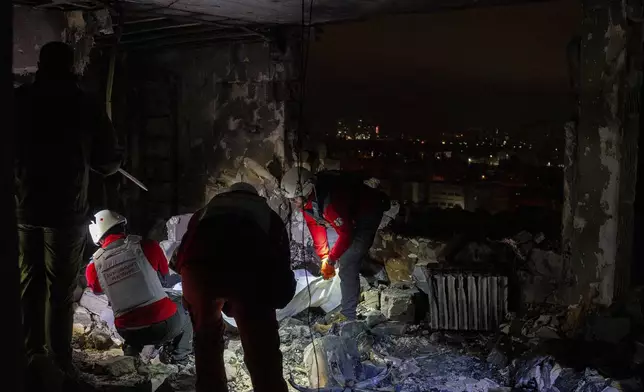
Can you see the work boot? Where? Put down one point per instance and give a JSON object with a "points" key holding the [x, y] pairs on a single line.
{"points": [[335, 319]]}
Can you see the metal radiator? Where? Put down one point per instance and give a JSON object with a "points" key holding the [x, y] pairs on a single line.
{"points": [[462, 301]]}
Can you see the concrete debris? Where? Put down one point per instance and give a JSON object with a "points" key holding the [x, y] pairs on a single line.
{"points": [[408, 368], [410, 249], [383, 350], [83, 317], [371, 300], [547, 333], [235, 346], [389, 328], [398, 304], [374, 318], [100, 340], [436, 337], [475, 253], [546, 263], [399, 269], [539, 373], [231, 371], [116, 366], [497, 359]]}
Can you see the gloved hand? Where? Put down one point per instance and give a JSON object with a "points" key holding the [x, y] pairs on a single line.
{"points": [[327, 270]]}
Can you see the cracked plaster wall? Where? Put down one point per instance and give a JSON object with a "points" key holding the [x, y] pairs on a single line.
{"points": [[600, 189], [234, 114], [33, 28]]}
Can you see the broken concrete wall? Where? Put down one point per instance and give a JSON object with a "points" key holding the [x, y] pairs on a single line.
{"points": [[206, 118], [35, 27], [604, 153], [32, 29]]}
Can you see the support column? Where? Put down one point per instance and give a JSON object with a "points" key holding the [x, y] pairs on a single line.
{"points": [[603, 155]]}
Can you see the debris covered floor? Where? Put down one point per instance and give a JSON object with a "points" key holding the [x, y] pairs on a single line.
{"points": [[420, 360], [527, 353]]}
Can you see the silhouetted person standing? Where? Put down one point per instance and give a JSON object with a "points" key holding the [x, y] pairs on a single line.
{"points": [[60, 134]]}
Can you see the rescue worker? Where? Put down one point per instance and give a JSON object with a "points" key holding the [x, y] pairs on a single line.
{"points": [[340, 201], [125, 269], [236, 253], [60, 133]]}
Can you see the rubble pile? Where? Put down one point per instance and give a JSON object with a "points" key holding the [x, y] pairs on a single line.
{"points": [[391, 347]]}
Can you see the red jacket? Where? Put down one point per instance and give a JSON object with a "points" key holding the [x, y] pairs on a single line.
{"points": [[337, 213], [146, 315]]}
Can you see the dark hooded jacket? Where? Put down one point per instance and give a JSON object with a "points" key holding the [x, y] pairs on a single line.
{"points": [[61, 133]]}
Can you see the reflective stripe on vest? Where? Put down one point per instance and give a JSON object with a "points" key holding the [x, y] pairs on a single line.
{"points": [[126, 276]]}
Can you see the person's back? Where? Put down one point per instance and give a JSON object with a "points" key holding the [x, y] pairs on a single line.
{"points": [[236, 252]]}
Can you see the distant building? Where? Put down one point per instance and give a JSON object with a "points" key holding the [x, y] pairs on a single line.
{"points": [[446, 195], [489, 197]]}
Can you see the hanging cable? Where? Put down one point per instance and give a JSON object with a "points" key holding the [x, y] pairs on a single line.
{"points": [[304, 60]]}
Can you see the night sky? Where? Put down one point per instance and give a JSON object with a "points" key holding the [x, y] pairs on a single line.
{"points": [[425, 74]]}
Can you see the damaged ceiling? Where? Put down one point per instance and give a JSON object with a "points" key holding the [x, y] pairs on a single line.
{"points": [[271, 12], [158, 24]]}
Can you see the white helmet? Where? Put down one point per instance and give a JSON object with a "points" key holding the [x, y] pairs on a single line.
{"points": [[297, 181], [103, 222]]}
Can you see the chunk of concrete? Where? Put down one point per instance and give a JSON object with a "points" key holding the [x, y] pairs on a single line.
{"points": [[100, 340], [371, 299], [230, 356], [235, 346], [399, 269], [336, 358], [394, 328], [397, 304], [82, 317], [497, 359], [117, 366], [374, 318], [231, 371]]}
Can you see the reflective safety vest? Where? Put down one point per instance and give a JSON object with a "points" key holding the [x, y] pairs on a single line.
{"points": [[126, 276]]}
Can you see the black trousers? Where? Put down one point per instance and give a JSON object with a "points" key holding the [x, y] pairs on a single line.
{"points": [[175, 333], [49, 262]]}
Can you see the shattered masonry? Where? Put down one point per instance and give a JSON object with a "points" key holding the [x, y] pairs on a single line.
{"points": [[232, 119], [596, 145]]}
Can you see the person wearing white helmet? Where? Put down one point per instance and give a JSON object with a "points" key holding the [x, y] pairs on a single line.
{"points": [[125, 268], [236, 253], [340, 201]]}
